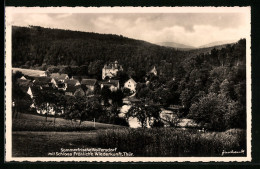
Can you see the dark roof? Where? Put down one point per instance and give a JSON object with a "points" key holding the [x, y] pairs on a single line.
{"points": [[90, 82], [80, 77], [42, 80], [110, 82], [58, 76], [71, 81], [35, 90], [71, 88], [24, 84]]}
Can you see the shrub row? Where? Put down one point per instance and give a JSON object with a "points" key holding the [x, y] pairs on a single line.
{"points": [[172, 142]]}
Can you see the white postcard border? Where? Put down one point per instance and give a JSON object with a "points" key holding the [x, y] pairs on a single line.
{"points": [[8, 74]]}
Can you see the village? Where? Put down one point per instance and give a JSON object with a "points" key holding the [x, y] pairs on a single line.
{"points": [[34, 81]]}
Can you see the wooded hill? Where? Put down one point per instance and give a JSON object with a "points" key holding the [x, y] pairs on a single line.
{"points": [[35, 46]]}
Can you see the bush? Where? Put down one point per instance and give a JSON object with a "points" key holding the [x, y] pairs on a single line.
{"points": [[172, 142]]}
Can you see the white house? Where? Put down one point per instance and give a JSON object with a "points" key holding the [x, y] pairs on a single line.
{"points": [[130, 84]]}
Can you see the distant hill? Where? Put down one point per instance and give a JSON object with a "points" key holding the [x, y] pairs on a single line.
{"points": [[175, 45], [217, 43]]}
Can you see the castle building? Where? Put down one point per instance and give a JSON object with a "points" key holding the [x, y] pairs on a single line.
{"points": [[111, 69]]}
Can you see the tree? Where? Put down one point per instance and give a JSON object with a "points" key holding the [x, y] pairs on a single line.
{"points": [[217, 111], [144, 114], [45, 100], [21, 101], [185, 98], [117, 97], [105, 94], [138, 111], [122, 76]]}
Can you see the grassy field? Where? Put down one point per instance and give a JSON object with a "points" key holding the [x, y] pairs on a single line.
{"points": [[29, 72], [39, 144], [29, 122]]}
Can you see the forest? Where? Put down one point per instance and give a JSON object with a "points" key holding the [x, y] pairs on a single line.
{"points": [[210, 84], [86, 53]]}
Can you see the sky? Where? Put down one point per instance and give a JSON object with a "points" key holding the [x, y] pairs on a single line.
{"points": [[194, 29]]}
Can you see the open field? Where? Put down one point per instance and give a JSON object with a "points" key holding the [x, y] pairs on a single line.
{"points": [[29, 122]]}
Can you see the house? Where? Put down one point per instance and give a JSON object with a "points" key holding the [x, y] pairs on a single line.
{"points": [[91, 84], [130, 84], [60, 82], [61, 85], [111, 70], [59, 76], [72, 90], [113, 85], [42, 81], [24, 84], [33, 91], [73, 82]]}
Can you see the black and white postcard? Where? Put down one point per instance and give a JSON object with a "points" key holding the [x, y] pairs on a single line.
{"points": [[128, 84]]}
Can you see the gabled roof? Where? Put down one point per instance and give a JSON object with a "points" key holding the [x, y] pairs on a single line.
{"points": [[24, 84], [41, 80], [72, 88], [110, 82], [59, 76], [35, 90], [132, 80], [153, 70], [71, 81], [79, 77], [90, 82]]}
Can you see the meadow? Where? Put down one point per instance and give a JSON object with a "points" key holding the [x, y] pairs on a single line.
{"points": [[29, 122]]}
